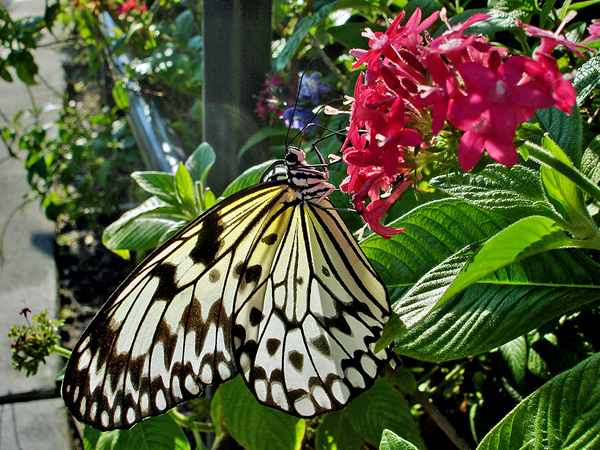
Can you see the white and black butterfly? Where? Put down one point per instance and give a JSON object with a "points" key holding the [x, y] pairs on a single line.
{"points": [[268, 283]]}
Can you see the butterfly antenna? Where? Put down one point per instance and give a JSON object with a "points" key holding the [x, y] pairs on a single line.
{"points": [[311, 123], [287, 141]]}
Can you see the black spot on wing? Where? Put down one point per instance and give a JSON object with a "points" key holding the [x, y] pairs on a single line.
{"points": [[253, 273], [214, 276], [269, 239], [256, 316], [322, 345], [325, 271], [272, 345], [297, 360], [167, 287], [208, 245]]}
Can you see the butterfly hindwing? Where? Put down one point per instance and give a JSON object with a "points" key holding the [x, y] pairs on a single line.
{"points": [[310, 325], [166, 331]]}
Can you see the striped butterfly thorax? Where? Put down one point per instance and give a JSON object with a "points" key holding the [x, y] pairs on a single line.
{"points": [[268, 283]]}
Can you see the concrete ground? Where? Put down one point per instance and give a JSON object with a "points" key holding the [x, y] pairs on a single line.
{"points": [[28, 274]]}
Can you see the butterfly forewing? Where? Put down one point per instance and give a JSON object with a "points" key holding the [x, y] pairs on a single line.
{"points": [[166, 331], [309, 327]]}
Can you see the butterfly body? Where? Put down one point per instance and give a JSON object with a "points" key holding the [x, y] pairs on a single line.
{"points": [[268, 283]]}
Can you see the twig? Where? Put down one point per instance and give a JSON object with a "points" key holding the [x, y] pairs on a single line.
{"points": [[11, 216], [38, 394], [440, 420]]}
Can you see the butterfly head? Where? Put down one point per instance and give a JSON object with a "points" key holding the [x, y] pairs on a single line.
{"points": [[294, 156]]}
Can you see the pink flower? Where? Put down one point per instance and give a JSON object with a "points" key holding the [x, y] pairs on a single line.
{"points": [[368, 183], [131, 5], [485, 134], [494, 104], [410, 91], [387, 138], [550, 40], [594, 30]]}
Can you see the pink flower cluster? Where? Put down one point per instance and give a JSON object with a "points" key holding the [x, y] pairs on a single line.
{"points": [[131, 5], [276, 91], [414, 87]]}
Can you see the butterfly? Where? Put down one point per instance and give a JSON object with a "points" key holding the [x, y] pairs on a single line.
{"points": [[268, 283]]}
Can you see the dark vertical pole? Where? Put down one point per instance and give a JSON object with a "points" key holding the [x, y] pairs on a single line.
{"points": [[237, 51]]}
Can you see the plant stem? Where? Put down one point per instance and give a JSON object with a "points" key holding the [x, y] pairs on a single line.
{"points": [[190, 424], [440, 420], [326, 59], [61, 351], [582, 182]]}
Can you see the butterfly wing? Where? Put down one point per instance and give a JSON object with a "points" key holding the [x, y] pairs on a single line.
{"points": [[307, 322], [166, 331]]}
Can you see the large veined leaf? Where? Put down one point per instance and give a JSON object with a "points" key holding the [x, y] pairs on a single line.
{"points": [[248, 178], [156, 433], [143, 227], [366, 417], [253, 425], [159, 184], [391, 441], [200, 162], [419, 265], [590, 163], [433, 233], [300, 32], [587, 78], [514, 192], [564, 413], [524, 238], [561, 191], [564, 130]]}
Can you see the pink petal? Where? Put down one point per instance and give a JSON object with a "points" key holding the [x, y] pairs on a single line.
{"points": [[478, 77], [470, 150], [503, 152], [530, 95], [472, 105]]}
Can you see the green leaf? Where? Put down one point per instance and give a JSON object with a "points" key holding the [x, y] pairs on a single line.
{"points": [[498, 21], [255, 426], [364, 419], [156, 433], [514, 354], [25, 66], [527, 237], [186, 192], [590, 163], [200, 162], [142, 228], [300, 32], [159, 184], [419, 265], [144, 233], [248, 178], [587, 78], [391, 441], [561, 191], [349, 34], [261, 135], [336, 432], [184, 26], [564, 413], [514, 192], [120, 94], [563, 129]]}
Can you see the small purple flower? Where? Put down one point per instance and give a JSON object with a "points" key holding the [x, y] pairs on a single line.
{"points": [[301, 117], [313, 88]]}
